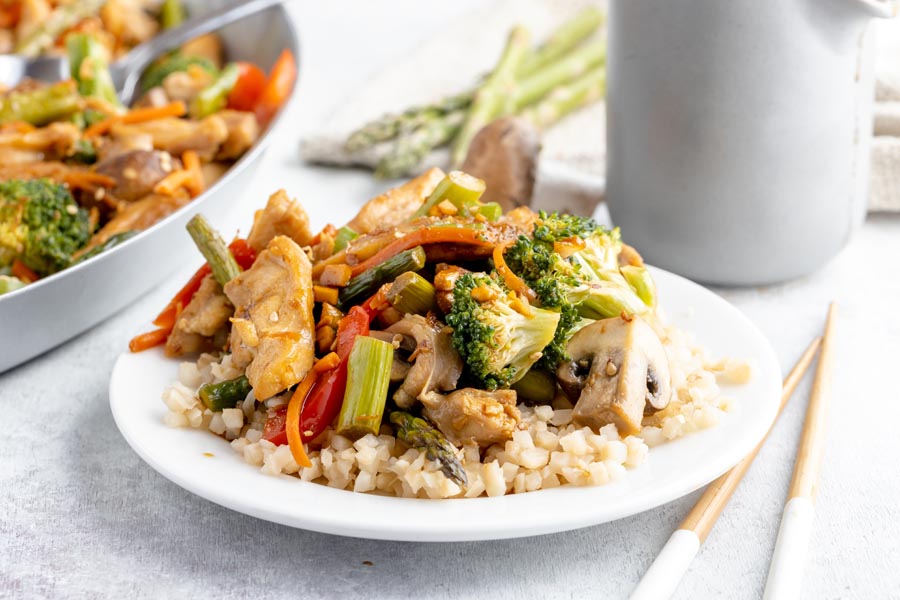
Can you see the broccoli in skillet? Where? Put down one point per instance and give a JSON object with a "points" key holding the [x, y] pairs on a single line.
{"points": [[498, 336], [41, 225], [572, 264]]}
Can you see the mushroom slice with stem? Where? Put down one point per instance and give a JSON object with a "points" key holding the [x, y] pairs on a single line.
{"points": [[617, 371], [436, 365]]}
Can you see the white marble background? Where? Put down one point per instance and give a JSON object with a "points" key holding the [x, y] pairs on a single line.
{"points": [[81, 516]]}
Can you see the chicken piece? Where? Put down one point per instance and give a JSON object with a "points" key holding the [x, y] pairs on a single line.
{"points": [[185, 85], [243, 131], [155, 97], [139, 215], [472, 415], [207, 46], [273, 332], [175, 136], [212, 172], [136, 173], [281, 216], [33, 14], [53, 142], [108, 148], [436, 365], [445, 278], [396, 205], [127, 20], [203, 324]]}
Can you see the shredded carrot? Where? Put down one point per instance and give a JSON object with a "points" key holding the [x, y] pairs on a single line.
{"points": [[20, 270], [292, 419], [192, 163], [512, 280], [138, 115], [148, 340], [88, 180], [427, 235], [327, 362], [174, 181]]}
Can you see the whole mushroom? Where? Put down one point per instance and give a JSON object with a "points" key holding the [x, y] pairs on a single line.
{"points": [[618, 370]]}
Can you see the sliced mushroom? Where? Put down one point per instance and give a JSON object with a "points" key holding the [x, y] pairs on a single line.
{"points": [[436, 365], [618, 369], [136, 172], [504, 154]]}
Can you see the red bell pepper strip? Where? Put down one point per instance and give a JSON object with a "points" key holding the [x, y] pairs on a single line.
{"points": [[274, 428], [277, 88], [243, 254], [248, 88]]}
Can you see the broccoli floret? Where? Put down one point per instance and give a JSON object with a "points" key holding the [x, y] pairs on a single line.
{"points": [[41, 225], [497, 342], [556, 227]]}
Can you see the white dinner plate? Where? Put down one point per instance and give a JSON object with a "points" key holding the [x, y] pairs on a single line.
{"points": [[671, 471]]}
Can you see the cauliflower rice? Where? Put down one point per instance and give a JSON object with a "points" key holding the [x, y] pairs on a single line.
{"points": [[547, 450]]}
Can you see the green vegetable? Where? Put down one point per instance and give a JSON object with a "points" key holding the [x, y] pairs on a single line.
{"points": [[83, 153], [89, 68], [413, 146], [417, 433], [215, 251], [41, 105], [87, 117], [225, 394], [586, 284], [497, 343], [41, 225], [571, 67], [563, 40], [567, 98], [492, 99], [171, 14], [412, 294], [214, 97], [58, 21], [8, 283], [641, 282], [172, 63], [536, 387], [368, 376], [112, 242], [461, 189], [365, 284], [344, 236]]}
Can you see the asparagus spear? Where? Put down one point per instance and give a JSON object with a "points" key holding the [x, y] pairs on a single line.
{"points": [[215, 251], [585, 90], [389, 126], [112, 242], [61, 19], [214, 96], [8, 283], [492, 98], [365, 284], [570, 67], [368, 376], [412, 294], [411, 148], [42, 105], [567, 36], [417, 433], [225, 394], [89, 68]]}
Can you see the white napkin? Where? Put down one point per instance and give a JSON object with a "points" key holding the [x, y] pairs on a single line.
{"points": [[576, 145]]}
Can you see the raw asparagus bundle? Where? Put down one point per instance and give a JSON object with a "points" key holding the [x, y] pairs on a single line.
{"points": [[542, 84]]}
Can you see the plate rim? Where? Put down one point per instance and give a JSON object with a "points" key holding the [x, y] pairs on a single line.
{"points": [[767, 367]]}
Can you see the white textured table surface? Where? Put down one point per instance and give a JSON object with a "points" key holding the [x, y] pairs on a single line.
{"points": [[81, 516]]}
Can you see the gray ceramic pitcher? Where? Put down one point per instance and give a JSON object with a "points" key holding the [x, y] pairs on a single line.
{"points": [[739, 132]]}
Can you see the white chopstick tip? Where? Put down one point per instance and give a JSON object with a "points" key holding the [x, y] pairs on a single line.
{"points": [[786, 569], [664, 575]]}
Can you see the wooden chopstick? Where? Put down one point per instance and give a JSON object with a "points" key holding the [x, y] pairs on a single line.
{"points": [[669, 567], [786, 569]]}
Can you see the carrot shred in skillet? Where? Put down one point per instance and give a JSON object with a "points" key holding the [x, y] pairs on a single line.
{"points": [[511, 280], [21, 271], [138, 115], [86, 180], [428, 235]]}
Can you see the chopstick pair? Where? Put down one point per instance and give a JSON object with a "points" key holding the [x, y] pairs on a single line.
{"points": [[786, 569]]}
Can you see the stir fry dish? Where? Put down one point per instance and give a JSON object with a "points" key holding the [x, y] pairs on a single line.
{"points": [[40, 27], [432, 347], [80, 173]]}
